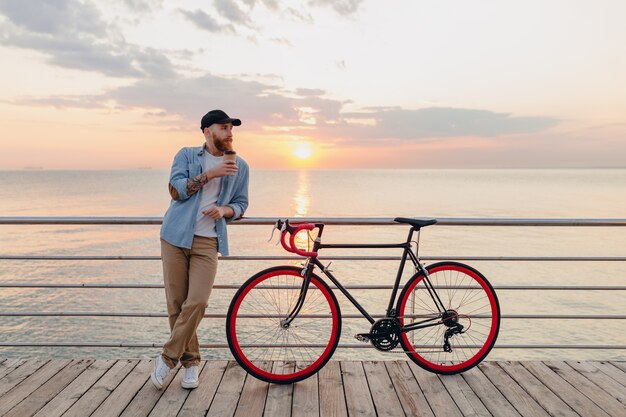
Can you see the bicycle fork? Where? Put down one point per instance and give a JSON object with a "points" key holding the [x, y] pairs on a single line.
{"points": [[306, 272]]}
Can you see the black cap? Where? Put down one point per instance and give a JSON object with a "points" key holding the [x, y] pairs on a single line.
{"points": [[219, 117]]}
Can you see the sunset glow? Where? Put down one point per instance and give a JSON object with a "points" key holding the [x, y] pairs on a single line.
{"points": [[303, 151], [308, 91]]}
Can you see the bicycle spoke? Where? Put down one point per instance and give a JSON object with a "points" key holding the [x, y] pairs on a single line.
{"points": [[461, 292], [260, 340]]}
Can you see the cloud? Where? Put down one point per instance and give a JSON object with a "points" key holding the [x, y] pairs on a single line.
{"points": [[343, 7], [78, 37], [270, 4], [304, 111], [300, 16], [231, 11], [281, 41], [439, 122], [257, 104], [54, 18], [310, 92], [74, 35], [143, 6], [205, 21]]}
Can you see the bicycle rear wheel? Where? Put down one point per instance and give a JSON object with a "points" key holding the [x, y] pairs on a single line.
{"points": [[469, 298], [259, 342]]}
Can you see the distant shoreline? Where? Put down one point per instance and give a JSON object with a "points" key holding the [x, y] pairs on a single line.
{"points": [[40, 168]]}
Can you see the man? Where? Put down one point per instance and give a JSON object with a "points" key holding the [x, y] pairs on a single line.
{"points": [[206, 193]]}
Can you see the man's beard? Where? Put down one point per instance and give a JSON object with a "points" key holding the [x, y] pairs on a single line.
{"points": [[221, 146]]}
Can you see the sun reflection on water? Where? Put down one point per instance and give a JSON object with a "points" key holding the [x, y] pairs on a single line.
{"points": [[302, 200]]}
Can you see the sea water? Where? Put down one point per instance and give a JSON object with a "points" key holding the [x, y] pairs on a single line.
{"points": [[545, 194]]}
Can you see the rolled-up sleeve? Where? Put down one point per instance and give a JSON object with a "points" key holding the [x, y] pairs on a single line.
{"points": [[239, 201], [179, 175]]}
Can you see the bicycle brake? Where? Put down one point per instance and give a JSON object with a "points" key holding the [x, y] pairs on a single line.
{"points": [[280, 226], [305, 267]]}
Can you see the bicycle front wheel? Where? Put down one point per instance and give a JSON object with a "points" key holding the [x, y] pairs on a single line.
{"points": [[469, 299], [260, 342]]}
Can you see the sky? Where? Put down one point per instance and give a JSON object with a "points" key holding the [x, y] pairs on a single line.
{"points": [[321, 84]]}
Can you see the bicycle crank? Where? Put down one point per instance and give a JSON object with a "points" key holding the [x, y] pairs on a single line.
{"points": [[384, 334]]}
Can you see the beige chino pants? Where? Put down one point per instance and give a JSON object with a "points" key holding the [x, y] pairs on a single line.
{"points": [[188, 275]]}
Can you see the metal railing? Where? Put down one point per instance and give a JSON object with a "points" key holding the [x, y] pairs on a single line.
{"points": [[111, 221]]}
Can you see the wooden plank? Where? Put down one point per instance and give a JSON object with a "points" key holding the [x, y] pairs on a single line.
{"points": [[546, 398], [383, 393], [148, 395], [358, 398], [438, 398], [118, 400], [199, 400], [411, 396], [101, 389], [46, 392], [493, 399], [581, 404], [41, 388], [9, 366], [515, 394], [305, 401], [174, 396], [280, 397], [227, 396], [612, 371], [21, 373], [591, 390], [619, 364], [66, 398], [465, 398], [601, 379], [253, 396], [332, 399], [30, 384]]}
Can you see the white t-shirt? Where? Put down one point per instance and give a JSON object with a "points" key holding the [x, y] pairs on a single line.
{"points": [[205, 225]]}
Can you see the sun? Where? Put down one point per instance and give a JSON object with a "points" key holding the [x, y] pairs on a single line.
{"points": [[303, 151]]}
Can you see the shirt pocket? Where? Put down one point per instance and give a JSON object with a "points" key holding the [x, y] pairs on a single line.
{"points": [[194, 170]]}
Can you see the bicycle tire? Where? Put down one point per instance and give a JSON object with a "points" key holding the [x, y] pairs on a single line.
{"points": [[473, 298], [276, 360]]}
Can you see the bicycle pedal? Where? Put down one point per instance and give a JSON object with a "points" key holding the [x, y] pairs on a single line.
{"points": [[362, 337]]}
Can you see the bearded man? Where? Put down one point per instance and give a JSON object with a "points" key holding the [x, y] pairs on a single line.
{"points": [[207, 192]]}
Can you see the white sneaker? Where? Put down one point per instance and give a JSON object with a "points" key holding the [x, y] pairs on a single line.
{"points": [[160, 372], [190, 379]]}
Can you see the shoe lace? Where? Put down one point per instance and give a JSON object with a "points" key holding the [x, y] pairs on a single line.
{"points": [[162, 370], [191, 372]]}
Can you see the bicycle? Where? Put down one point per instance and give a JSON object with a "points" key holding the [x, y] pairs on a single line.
{"points": [[446, 318]]}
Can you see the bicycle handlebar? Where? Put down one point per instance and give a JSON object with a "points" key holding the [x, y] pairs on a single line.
{"points": [[293, 231]]}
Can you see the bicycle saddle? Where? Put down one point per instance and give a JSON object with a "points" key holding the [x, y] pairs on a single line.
{"points": [[416, 223]]}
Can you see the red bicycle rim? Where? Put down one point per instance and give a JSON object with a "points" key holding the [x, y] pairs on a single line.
{"points": [[263, 373]]}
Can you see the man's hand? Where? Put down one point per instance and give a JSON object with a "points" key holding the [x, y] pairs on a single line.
{"points": [[226, 168], [217, 212]]}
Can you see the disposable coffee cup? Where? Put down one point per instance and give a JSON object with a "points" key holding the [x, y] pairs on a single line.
{"points": [[230, 156]]}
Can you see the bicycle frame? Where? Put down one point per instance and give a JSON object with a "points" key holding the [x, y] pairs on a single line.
{"points": [[391, 311]]}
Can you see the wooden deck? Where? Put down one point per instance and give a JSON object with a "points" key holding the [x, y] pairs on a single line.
{"points": [[84, 387]]}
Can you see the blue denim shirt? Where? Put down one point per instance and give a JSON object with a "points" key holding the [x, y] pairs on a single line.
{"points": [[179, 222]]}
